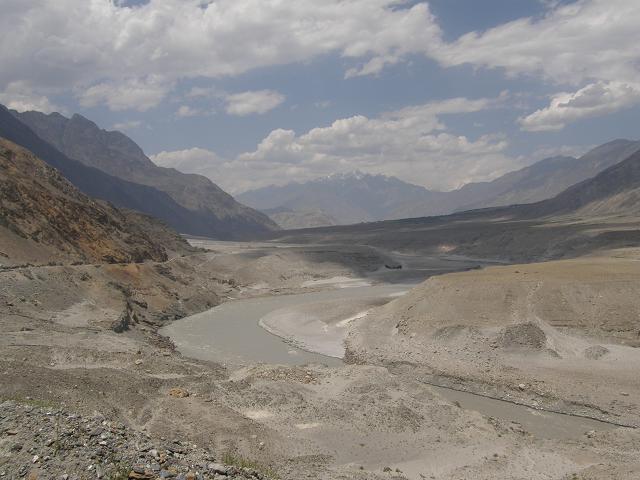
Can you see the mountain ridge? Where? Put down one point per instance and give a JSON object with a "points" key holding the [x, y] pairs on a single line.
{"points": [[333, 195], [613, 192], [204, 208]]}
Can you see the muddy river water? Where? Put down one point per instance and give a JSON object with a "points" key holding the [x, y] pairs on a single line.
{"points": [[231, 334]]}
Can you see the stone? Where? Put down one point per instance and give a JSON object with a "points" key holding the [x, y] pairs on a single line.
{"points": [[140, 476], [219, 468], [178, 392]]}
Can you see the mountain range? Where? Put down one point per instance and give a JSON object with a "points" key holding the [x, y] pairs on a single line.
{"points": [[596, 214], [348, 198], [544, 179], [111, 167], [55, 211], [359, 197]]}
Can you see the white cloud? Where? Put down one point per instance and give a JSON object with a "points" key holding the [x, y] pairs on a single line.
{"points": [[132, 57], [411, 143], [133, 93], [20, 96], [550, 3], [584, 41], [190, 159], [253, 102], [127, 125], [204, 92], [128, 57], [238, 104], [594, 100], [208, 99], [188, 111], [589, 44]]}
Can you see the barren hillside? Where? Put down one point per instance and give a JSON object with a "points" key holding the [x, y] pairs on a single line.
{"points": [[45, 218]]}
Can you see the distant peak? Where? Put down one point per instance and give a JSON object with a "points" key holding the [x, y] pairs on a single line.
{"points": [[352, 175], [52, 114]]}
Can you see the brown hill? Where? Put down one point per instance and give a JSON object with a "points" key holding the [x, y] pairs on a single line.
{"points": [[43, 217]]}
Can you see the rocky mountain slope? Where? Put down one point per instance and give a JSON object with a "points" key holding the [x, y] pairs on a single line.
{"points": [[615, 191], [44, 218], [544, 179], [189, 203], [358, 197]]}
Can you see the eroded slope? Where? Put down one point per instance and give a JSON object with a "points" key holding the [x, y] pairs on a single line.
{"points": [[41, 209]]}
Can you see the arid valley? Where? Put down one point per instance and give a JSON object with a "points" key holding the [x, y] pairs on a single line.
{"points": [[326, 240], [488, 368]]}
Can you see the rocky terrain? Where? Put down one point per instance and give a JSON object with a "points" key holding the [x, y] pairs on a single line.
{"points": [[50, 442], [516, 358], [83, 338], [546, 326], [377, 418], [64, 363]]}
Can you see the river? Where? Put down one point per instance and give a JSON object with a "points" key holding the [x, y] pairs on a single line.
{"points": [[231, 334]]}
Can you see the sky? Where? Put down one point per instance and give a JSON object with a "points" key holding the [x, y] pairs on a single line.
{"points": [[250, 93]]}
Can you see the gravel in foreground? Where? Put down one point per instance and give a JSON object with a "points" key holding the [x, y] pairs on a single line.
{"points": [[37, 442]]}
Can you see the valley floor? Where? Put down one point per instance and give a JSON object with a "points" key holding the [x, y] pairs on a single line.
{"points": [[559, 336]]}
